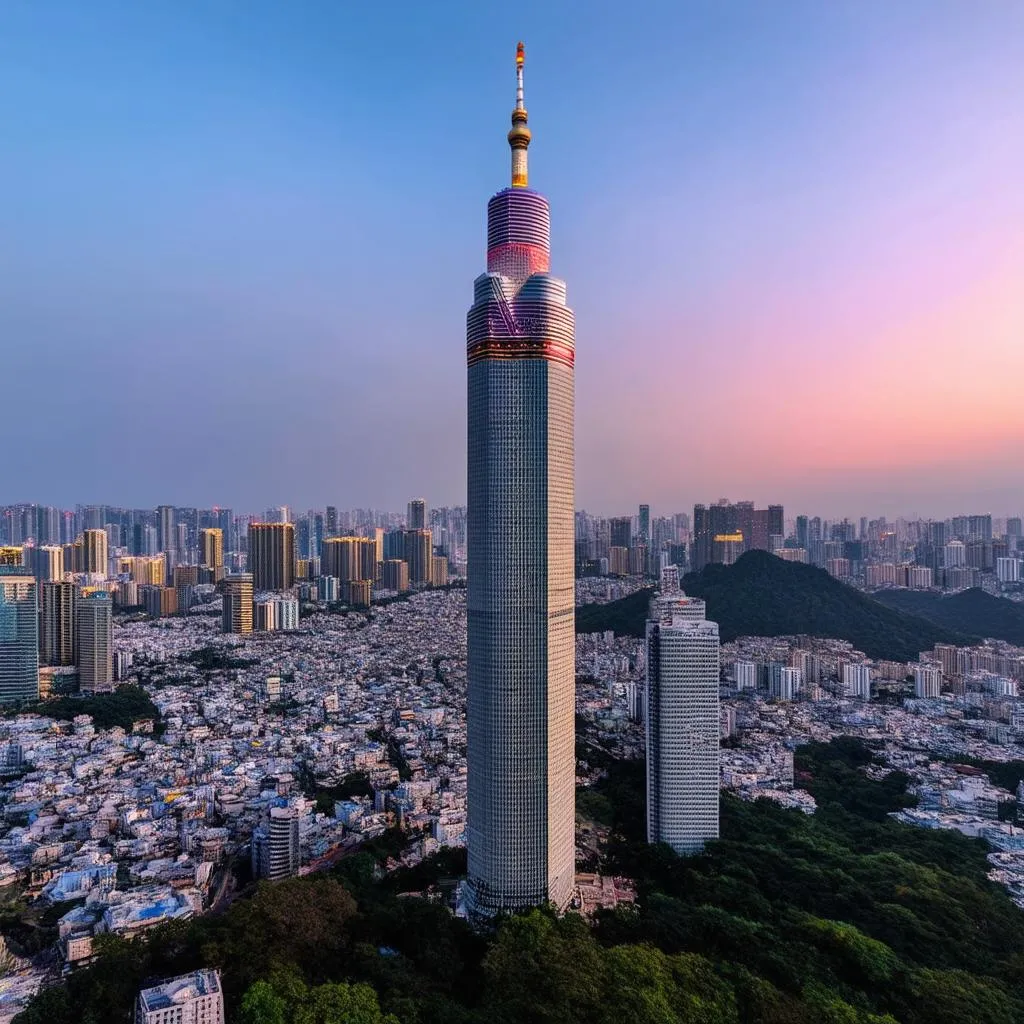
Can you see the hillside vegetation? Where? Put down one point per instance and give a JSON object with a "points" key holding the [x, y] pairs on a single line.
{"points": [[762, 595], [971, 611]]}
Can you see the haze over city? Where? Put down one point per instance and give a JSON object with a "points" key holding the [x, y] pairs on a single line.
{"points": [[240, 241]]}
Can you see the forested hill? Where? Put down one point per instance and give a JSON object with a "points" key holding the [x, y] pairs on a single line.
{"points": [[971, 611], [762, 595]]}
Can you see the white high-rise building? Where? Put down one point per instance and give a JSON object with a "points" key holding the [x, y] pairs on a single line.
{"points": [[954, 554], [683, 724], [275, 843], [857, 681], [790, 683], [746, 675], [927, 680], [520, 728], [1008, 570], [194, 998]]}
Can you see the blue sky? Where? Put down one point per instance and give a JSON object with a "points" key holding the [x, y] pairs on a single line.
{"points": [[240, 240]]}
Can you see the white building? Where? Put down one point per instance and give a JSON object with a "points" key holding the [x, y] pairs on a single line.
{"points": [[920, 577], [683, 724], [275, 611], [927, 680], [275, 844], [746, 675], [1008, 570], [188, 999], [790, 683], [857, 681], [955, 554]]}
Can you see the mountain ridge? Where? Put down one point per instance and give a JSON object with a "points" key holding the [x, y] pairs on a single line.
{"points": [[762, 595]]}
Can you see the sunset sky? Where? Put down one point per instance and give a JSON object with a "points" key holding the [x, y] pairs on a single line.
{"points": [[239, 241]]}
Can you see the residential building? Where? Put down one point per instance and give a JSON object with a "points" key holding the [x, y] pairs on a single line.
{"points": [[237, 603], [95, 643], [57, 623], [194, 998], [272, 555], [19, 635], [683, 723]]}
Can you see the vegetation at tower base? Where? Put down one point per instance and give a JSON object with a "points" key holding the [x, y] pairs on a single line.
{"points": [[124, 707], [971, 611], [843, 917], [762, 595]]}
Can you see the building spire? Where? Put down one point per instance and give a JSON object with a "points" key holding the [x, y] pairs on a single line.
{"points": [[519, 136]]}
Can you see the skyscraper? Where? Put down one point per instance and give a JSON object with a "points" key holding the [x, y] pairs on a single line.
{"points": [[272, 555], [95, 646], [395, 575], [683, 727], [57, 623], [19, 635], [94, 551], [416, 515], [275, 843], [211, 547], [49, 562], [166, 534], [644, 524], [419, 550], [521, 653], [237, 603], [621, 532], [349, 558]]}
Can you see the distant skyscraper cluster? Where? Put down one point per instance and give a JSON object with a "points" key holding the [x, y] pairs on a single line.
{"points": [[952, 554], [77, 568]]}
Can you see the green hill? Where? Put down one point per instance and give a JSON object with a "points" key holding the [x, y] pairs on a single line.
{"points": [[971, 611], [761, 595], [625, 617]]}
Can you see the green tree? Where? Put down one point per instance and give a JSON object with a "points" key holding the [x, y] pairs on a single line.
{"points": [[543, 969], [261, 1004]]}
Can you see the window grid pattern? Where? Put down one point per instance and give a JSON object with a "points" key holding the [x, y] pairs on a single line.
{"points": [[520, 599], [683, 733]]}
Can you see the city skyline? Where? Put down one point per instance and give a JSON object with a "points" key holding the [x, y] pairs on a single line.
{"points": [[234, 232]]}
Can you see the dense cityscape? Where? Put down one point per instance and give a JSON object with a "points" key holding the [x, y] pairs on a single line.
{"points": [[510, 761], [304, 680]]}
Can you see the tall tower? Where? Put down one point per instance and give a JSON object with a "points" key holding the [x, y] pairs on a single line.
{"points": [[94, 550], [94, 630], [19, 635], [211, 547], [521, 671], [237, 603], [272, 555], [683, 728], [166, 534], [57, 623], [416, 515]]}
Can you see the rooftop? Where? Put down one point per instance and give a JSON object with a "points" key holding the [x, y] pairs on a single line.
{"points": [[179, 990]]}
